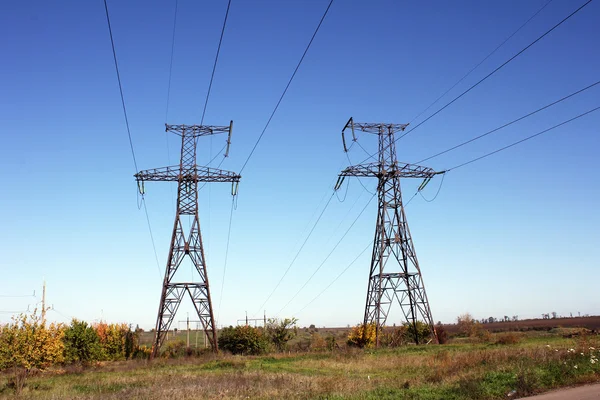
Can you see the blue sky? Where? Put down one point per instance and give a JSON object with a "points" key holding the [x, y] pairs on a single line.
{"points": [[513, 234]]}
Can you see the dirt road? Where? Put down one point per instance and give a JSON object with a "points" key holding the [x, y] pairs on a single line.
{"points": [[588, 392]]}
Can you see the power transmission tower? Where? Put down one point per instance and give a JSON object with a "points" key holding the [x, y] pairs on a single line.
{"points": [[187, 175], [395, 275]]}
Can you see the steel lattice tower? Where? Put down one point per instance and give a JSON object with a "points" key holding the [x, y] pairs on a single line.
{"points": [[187, 175], [395, 276]]}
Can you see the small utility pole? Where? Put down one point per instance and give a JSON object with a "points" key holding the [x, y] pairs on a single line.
{"points": [[44, 301], [246, 318], [265, 316], [188, 331]]}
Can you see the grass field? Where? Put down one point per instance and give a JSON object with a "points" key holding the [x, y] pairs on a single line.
{"points": [[461, 369]]}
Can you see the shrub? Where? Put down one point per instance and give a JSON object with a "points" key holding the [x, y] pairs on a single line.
{"points": [[362, 335], [243, 340], [281, 331], [331, 343], [441, 333], [29, 343], [480, 333], [508, 338], [174, 349], [317, 342], [465, 324], [417, 332], [117, 340], [82, 343]]}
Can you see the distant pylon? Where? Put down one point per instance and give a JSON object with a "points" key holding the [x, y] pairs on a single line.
{"points": [[395, 276], [187, 175]]}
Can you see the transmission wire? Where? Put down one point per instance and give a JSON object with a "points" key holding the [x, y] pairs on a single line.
{"points": [[297, 253], [336, 278], [286, 87], [226, 257], [112, 42], [509, 123], [346, 269], [481, 62], [494, 71], [212, 76], [328, 255], [522, 140]]}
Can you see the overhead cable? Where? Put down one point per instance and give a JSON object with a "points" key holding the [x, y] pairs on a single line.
{"points": [[481, 62], [287, 86], [494, 71], [298, 252], [212, 76], [511, 122], [328, 255], [112, 42], [522, 140]]}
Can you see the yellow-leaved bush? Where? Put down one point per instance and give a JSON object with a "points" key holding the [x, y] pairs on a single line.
{"points": [[362, 335], [29, 342]]}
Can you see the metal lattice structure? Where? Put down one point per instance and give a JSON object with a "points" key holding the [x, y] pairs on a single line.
{"points": [[187, 175], [394, 276]]}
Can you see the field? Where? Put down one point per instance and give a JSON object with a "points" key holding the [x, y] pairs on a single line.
{"points": [[506, 364]]}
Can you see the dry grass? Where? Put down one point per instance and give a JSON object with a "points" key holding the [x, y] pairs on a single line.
{"points": [[453, 371]]}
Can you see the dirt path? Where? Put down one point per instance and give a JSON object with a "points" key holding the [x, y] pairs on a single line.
{"points": [[588, 392]]}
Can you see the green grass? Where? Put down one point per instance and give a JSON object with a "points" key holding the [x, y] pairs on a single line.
{"points": [[458, 370]]}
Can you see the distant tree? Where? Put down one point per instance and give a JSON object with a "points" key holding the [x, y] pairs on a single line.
{"points": [[554, 314], [515, 317], [465, 324], [491, 320], [82, 343], [281, 331]]}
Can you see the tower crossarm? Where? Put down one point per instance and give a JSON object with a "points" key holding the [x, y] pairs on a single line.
{"points": [[398, 169], [194, 174], [198, 130], [375, 170]]}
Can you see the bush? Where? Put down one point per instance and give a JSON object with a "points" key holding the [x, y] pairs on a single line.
{"points": [[117, 340], [281, 331], [441, 333], [29, 343], [82, 343], [243, 340], [362, 335], [418, 332], [317, 342], [175, 349], [465, 324], [508, 338]]}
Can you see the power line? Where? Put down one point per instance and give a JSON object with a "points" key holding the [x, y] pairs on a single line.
{"points": [[151, 237], [496, 70], [287, 86], [328, 255], [510, 123], [436, 193], [348, 267], [171, 62], [336, 278], [212, 76], [226, 257], [298, 252], [523, 140], [112, 43], [481, 62]]}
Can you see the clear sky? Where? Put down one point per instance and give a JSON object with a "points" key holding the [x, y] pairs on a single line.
{"points": [[513, 234]]}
